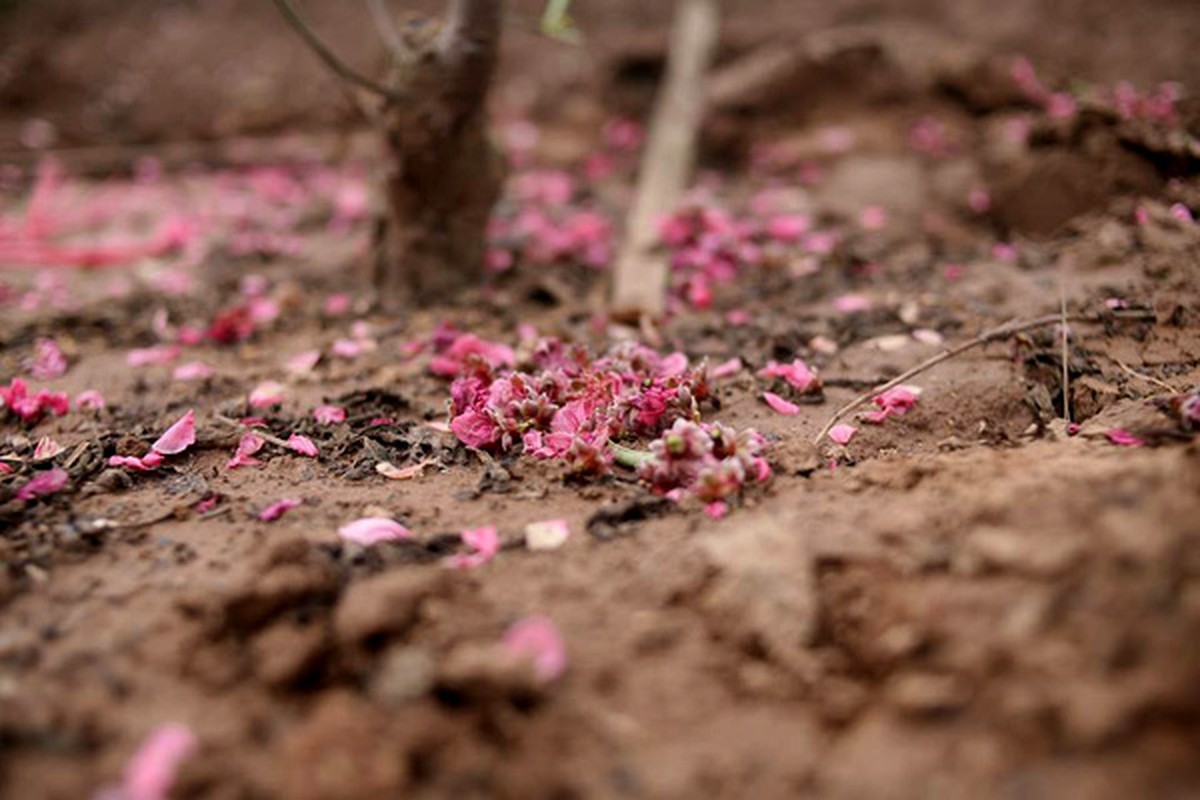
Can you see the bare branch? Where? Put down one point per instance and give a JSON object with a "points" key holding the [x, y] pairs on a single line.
{"points": [[339, 68], [386, 26], [470, 45]]}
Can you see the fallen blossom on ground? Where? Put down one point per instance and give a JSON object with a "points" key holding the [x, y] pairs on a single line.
{"points": [[329, 415], [48, 361], [1124, 438], [267, 394], [372, 530], [278, 509], [726, 369], [151, 771], [146, 463], [716, 510], [248, 445], [797, 374], [895, 402], [852, 303], [303, 363], [779, 405], [46, 449], [538, 639], [5, 469], [484, 543], [842, 434], [193, 371], [45, 483], [302, 445], [178, 437], [91, 400], [392, 472], [31, 408], [156, 355], [708, 462], [451, 360], [549, 534]]}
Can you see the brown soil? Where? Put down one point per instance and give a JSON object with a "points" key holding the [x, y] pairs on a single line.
{"points": [[971, 604]]}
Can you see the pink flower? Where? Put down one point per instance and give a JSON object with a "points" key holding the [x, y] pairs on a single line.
{"points": [[244, 455], [178, 437], [90, 399], [151, 771], [537, 639], [788, 228], [45, 483], [797, 374], [372, 530], [16, 398], [475, 429], [449, 363], [302, 445], [329, 415], [153, 356], [484, 543], [1124, 438], [780, 405], [192, 371], [716, 509], [278, 509], [1179, 212], [267, 394], [48, 360], [842, 434]]}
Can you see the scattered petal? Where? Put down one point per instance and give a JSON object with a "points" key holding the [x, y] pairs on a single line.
{"points": [[842, 434], [302, 445], [780, 405], [91, 400], [372, 530], [151, 771], [48, 361], [550, 534], [538, 639], [717, 509], [1124, 438], [45, 483], [267, 394], [329, 415], [484, 543], [46, 449], [726, 369], [244, 455], [193, 371], [178, 437], [153, 356], [303, 363], [279, 508]]}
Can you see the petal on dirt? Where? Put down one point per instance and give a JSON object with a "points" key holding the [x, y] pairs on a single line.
{"points": [[484, 543], [178, 437], [726, 369], [549, 534], [48, 360], [1124, 438], [716, 510], [46, 483], [193, 371], [151, 771], [46, 449], [146, 463], [329, 415], [852, 303], [267, 394], [150, 356], [842, 434], [303, 363], [244, 455], [372, 530], [779, 405], [538, 639], [279, 508], [302, 445], [91, 399]]}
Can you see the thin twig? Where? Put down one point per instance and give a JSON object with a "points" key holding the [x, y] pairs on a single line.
{"points": [[386, 26], [1143, 376], [339, 68], [1002, 332], [1066, 351], [266, 437]]}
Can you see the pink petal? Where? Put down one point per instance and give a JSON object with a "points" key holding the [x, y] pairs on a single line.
{"points": [[278, 509], [304, 363], [48, 360], [146, 463], [538, 639], [151, 772], [267, 394], [716, 510], [550, 534], [329, 415], [243, 456], [852, 303], [196, 370], [726, 369], [90, 399], [780, 405], [178, 437], [46, 448], [842, 434], [372, 530], [156, 355], [484, 542], [44, 483], [302, 445], [1124, 438]]}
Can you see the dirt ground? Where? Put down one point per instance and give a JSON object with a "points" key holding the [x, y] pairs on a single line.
{"points": [[969, 600]]}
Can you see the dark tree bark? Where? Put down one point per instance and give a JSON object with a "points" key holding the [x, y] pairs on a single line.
{"points": [[443, 175]]}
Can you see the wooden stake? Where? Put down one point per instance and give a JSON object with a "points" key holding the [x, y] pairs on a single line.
{"points": [[642, 274]]}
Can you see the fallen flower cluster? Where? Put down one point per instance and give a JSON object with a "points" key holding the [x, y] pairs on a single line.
{"points": [[30, 408], [570, 406], [709, 462]]}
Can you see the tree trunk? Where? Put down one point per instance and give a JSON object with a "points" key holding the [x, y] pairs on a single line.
{"points": [[443, 175]]}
